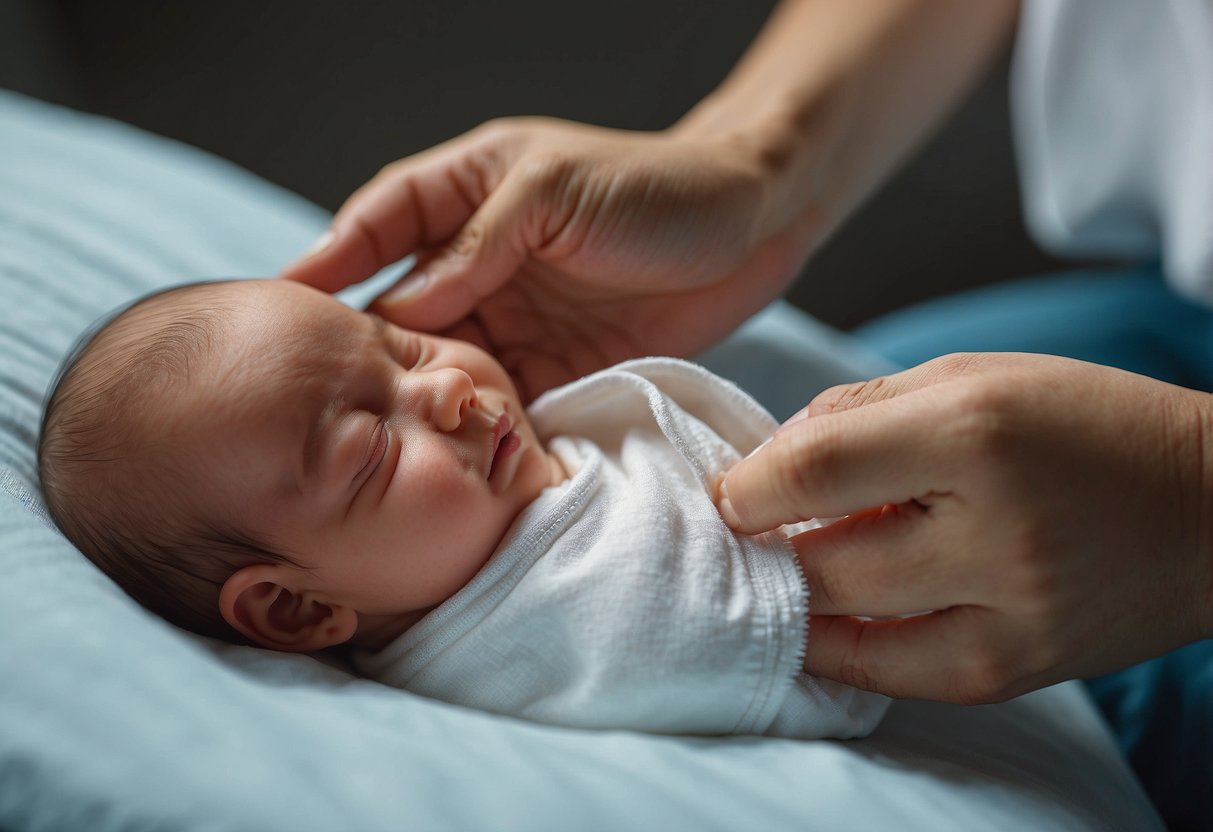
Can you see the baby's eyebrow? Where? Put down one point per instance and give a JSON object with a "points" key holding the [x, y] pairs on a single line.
{"points": [[311, 444]]}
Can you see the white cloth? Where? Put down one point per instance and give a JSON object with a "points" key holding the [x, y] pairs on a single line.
{"points": [[1113, 104], [620, 599]]}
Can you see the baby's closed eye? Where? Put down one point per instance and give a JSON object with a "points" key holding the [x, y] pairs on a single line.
{"points": [[375, 450]]}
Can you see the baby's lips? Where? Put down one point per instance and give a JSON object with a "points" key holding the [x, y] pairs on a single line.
{"points": [[501, 432]]}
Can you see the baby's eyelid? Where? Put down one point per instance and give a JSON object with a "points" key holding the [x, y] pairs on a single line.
{"points": [[376, 449]]}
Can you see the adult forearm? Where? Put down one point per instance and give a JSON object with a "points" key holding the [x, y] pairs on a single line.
{"points": [[834, 94]]}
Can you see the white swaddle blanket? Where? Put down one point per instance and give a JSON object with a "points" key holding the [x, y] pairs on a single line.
{"points": [[620, 599]]}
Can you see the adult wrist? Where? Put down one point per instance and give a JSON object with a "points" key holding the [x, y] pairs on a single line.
{"points": [[789, 152]]}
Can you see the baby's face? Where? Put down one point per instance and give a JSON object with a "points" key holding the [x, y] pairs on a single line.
{"points": [[388, 463]]}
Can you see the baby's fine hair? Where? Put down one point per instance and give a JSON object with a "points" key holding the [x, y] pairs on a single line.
{"points": [[111, 477]]}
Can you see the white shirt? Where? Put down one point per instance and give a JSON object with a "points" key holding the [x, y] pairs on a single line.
{"points": [[1113, 107]]}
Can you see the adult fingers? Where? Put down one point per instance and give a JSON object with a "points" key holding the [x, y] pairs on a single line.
{"points": [[861, 393], [485, 253], [952, 655], [894, 560], [419, 201], [893, 451], [857, 446]]}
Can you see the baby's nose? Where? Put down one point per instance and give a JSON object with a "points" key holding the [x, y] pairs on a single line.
{"points": [[453, 392]]}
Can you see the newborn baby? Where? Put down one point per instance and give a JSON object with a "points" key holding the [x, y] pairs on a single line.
{"points": [[256, 461]]}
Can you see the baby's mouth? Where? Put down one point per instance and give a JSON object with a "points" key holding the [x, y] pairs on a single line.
{"points": [[505, 442]]}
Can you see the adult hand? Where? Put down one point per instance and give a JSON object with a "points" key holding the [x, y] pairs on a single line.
{"points": [[563, 248], [1051, 515]]}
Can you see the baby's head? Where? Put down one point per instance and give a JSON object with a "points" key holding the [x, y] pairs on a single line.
{"points": [[256, 459]]}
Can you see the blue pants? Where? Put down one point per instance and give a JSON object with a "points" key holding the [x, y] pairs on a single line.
{"points": [[1161, 711]]}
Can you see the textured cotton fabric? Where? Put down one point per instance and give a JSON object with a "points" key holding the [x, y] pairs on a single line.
{"points": [[621, 599]]}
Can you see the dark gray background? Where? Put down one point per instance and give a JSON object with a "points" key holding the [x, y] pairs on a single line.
{"points": [[317, 95]]}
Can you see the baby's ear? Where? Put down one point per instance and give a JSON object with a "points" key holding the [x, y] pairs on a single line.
{"points": [[258, 602]]}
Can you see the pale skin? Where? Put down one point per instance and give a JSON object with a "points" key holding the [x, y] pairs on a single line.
{"points": [[387, 464], [1054, 515], [372, 456]]}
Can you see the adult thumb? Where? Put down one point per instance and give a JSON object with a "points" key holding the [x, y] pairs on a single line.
{"points": [[482, 257]]}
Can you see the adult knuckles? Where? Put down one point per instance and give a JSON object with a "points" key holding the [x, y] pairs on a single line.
{"points": [[496, 129], [541, 148], [505, 130], [850, 396], [500, 142], [388, 173], [983, 418], [956, 365], [860, 393]]}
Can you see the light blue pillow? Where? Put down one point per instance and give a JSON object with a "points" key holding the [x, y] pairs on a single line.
{"points": [[112, 720]]}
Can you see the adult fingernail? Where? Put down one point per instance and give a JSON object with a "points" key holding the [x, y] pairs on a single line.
{"points": [[725, 505], [322, 242], [798, 416], [407, 289], [760, 446]]}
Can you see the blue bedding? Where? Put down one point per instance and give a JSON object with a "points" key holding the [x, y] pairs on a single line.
{"points": [[112, 720]]}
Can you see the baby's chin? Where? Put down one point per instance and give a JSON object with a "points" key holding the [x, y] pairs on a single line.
{"points": [[551, 469], [558, 474]]}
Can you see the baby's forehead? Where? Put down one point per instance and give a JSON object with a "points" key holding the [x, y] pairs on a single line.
{"points": [[246, 341], [300, 346], [285, 319]]}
